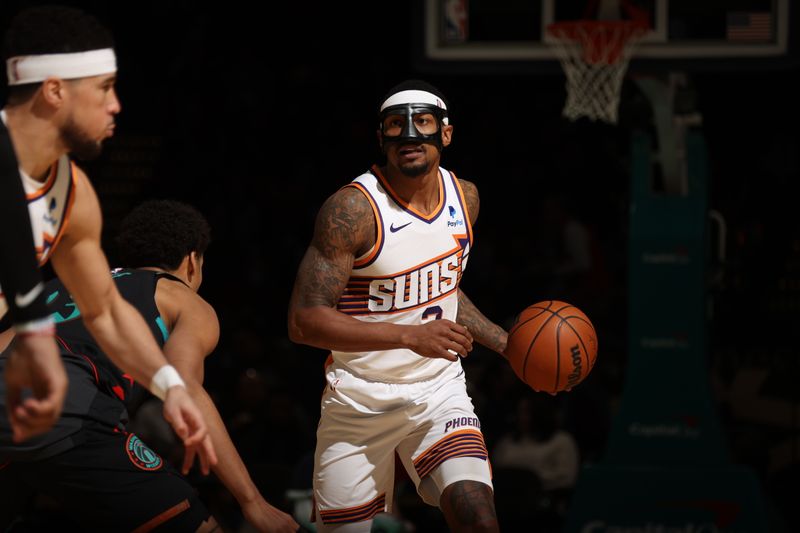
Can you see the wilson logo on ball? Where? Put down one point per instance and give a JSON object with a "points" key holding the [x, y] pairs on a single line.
{"points": [[575, 376]]}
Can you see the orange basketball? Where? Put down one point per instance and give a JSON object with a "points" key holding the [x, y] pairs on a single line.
{"points": [[552, 346]]}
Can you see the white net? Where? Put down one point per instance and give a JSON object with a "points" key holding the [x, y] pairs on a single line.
{"points": [[595, 56]]}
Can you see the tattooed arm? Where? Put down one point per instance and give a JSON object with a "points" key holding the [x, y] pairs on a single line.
{"points": [[483, 330], [345, 229]]}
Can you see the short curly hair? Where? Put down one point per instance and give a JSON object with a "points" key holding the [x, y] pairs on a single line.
{"points": [[161, 233]]}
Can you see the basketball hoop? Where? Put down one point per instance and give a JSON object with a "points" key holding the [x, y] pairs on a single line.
{"points": [[595, 55]]}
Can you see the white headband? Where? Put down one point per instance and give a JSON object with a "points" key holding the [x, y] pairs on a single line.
{"points": [[36, 68], [414, 97]]}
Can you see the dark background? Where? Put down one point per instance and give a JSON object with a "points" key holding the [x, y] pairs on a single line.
{"points": [[257, 118]]}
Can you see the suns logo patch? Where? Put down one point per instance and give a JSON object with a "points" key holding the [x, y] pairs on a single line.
{"points": [[141, 455]]}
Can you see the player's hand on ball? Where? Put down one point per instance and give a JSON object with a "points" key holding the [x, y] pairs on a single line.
{"points": [[440, 339], [185, 418]]}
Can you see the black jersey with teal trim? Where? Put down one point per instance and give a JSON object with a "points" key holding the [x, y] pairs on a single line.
{"points": [[138, 287], [98, 390]]}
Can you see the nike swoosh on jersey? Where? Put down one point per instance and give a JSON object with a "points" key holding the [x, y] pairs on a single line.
{"points": [[398, 228], [24, 300]]}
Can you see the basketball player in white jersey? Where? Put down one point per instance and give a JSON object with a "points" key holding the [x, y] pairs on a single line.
{"points": [[378, 287], [61, 72]]}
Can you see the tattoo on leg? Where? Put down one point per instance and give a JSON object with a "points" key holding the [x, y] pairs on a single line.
{"points": [[470, 503]]}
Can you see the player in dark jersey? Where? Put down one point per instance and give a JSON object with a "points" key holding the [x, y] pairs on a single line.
{"points": [[89, 456]]}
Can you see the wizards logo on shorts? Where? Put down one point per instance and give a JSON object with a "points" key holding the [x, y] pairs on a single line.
{"points": [[141, 455]]}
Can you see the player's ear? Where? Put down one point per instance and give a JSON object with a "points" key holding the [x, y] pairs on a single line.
{"points": [[447, 134], [53, 91], [192, 264]]}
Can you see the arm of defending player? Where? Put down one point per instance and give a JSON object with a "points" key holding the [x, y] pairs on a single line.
{"points": [[345, 226], [115, 324], [194, 334]]}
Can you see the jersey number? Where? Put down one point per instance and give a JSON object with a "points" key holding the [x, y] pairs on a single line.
{"points": [[432, 313]]}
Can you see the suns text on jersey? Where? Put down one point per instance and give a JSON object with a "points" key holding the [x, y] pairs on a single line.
{"points": [[419, 286]]}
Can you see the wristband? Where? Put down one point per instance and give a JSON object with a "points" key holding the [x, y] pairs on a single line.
{"points": [[42, 326], [166, 378]]}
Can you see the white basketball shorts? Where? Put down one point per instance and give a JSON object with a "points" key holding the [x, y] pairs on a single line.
{"points": [[430, 425]]}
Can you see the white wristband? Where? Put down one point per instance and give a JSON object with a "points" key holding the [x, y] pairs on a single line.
{"points": [[164, 379], [40, 325]]}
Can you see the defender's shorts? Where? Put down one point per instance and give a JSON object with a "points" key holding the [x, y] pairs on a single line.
{"points": [[364, 423], [110, 482]]}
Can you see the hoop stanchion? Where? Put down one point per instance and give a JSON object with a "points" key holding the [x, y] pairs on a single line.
{"points": [[595, 55]]}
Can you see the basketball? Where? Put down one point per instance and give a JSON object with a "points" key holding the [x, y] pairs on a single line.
{"points": [[552, 346]]}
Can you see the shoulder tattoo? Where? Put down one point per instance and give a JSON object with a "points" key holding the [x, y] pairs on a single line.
{"points": [[472, 199], [345, 223], [345, 226]]}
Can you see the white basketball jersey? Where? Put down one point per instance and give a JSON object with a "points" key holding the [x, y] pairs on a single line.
{"points": [[49, 204], [410, 276]]}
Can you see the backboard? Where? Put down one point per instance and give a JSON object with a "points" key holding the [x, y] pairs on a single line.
{"points": [[685, 34]]}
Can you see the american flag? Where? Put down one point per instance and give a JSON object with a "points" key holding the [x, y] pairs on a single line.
{"points": [[743, 26]]}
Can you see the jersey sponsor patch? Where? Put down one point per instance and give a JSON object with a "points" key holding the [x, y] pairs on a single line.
{"points": [[454, 221], [141, 455]]}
